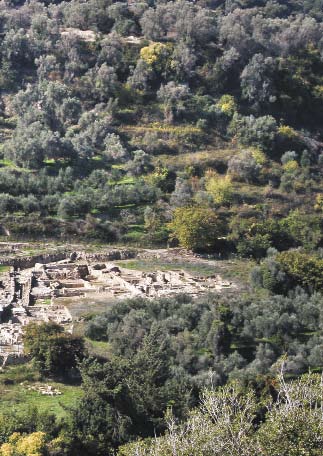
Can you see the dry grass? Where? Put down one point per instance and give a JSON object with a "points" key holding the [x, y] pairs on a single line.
{"points": [[181, 130], [202, 158]]}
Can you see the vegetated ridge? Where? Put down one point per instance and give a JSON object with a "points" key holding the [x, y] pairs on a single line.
{"points": [[161, 123]]}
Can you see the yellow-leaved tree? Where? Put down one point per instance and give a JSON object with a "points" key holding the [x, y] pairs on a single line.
{"points": [[219, 187], [25, 445], [227, 105], [196, 228], [156, 54]]}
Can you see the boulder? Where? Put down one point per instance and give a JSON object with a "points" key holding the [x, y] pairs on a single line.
{"points": [[99, 266]]}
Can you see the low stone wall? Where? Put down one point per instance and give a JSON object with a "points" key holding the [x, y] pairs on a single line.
{"points": [[26, 292], [111, 255], [45, 258], [30, 261]]}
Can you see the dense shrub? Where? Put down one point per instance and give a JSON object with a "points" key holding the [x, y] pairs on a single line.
{"points": [[196, 228]]}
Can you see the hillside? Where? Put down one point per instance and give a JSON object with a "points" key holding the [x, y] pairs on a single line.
{"points": [[113, 115], [161, 227]]}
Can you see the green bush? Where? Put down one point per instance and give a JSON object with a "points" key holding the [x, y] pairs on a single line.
{"points": [[304, 269], [196, 228]]}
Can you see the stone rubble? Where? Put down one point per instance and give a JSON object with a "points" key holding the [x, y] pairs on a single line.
{"points": [[44, 390]]}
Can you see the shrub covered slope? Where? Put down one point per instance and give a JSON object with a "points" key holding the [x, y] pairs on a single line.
{"points": [[196, 123]]}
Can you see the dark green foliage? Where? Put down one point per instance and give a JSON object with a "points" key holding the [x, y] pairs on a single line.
{"points": [[304, 229], [233, 337], [254, 237], [196, 228], [29, 421], [227, 423], [92, 91], [303, 269], [258, 132], [127, 397], [289, 269], [54, 352], [113, 116]]}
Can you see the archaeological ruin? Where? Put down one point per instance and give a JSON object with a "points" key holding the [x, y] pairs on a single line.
{"points": [[38, 293]]}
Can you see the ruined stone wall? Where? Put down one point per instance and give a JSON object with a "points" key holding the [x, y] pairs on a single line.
{"points": [[26, 291], [30, 261], [110, 255], [45, 258]]}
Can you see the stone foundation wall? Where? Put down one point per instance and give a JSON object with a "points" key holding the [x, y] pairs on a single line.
{"points": [[45, 258], [26, 292], [30, 261], [111, 255]]}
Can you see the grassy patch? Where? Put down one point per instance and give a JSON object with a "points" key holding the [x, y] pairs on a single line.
{"points": [[92, 304], [15, 396], [134, 235], [237, 270], [97, 158], [98, 348], [18, 374], [19, 398], [127, 180], [161, 265], [180, 130], [4, 268], [5, 163], [202, 159], [125, 206], [248, 192]]}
